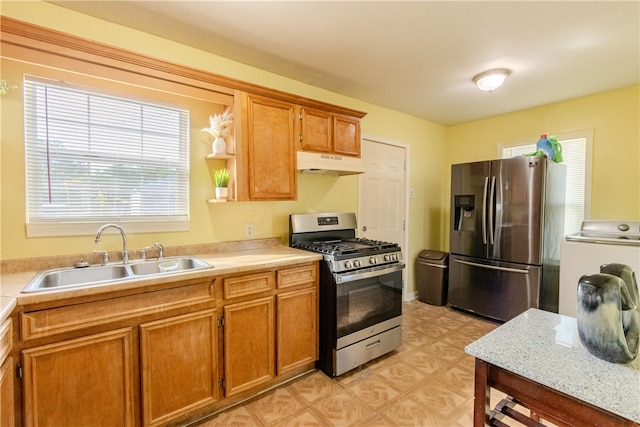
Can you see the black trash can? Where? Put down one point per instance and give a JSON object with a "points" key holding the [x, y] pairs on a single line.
{"points": [[432, 276]]}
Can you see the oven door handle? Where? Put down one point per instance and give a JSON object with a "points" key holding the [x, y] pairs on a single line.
{"points": [[368, 273]]}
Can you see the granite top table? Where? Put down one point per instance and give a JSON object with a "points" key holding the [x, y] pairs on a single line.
{"points": [[545, 348]]}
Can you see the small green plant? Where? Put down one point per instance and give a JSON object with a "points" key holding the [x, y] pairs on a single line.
{"points": [[221, 177]]}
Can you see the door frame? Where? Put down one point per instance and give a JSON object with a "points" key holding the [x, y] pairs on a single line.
{"points": [[405, 249]]}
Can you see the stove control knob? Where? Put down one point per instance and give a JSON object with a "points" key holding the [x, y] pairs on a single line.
{"points": [[373, 260], [356, 263], [388, 257], [347, 264]]}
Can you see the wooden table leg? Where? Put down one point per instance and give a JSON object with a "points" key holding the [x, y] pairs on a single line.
{"points": [[482, 395]]}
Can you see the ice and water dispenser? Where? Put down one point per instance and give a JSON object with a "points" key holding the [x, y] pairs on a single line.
{"points": [[464, 206]]}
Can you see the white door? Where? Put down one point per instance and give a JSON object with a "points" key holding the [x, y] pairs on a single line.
{"points": [[381, 193]]}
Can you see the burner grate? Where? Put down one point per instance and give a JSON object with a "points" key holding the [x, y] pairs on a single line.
{"points": [[346, 247]]}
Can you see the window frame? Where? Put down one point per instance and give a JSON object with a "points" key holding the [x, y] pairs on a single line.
{"points": [[587, 135], [56, 52], [65, 226]]}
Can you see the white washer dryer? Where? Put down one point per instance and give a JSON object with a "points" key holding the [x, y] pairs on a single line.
{"points": [[598, 243]]}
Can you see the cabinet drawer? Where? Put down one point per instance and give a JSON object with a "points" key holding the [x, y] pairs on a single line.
{"points": [[247, 285], [305, 274], [6, 338], [43, 323]]}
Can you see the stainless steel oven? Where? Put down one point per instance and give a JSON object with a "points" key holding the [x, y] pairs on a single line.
{"points": [[360, 291]]}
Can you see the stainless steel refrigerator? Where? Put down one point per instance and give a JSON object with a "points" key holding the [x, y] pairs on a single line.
{"points": [[507, 219]]}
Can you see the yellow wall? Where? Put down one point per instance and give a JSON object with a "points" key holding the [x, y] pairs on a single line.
{"points": [[223, 222], [614, 116]]}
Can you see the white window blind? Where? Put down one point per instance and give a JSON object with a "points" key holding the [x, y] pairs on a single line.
{"points": [[93, 158], [575, 157]]}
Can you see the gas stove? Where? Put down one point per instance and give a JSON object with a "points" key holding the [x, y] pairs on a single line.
{"points": [[333, 235], [360, 290]]}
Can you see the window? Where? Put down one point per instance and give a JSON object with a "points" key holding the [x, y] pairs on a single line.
{"points": [[92, 158], [576, 154]]}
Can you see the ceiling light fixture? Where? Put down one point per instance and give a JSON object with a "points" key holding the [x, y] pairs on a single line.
{"points": [[491, 79]]}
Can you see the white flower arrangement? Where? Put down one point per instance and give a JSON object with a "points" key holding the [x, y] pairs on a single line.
{"points": [[219, 124]]}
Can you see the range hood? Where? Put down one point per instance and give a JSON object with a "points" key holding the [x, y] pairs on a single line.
{"points": [[329, 164]]}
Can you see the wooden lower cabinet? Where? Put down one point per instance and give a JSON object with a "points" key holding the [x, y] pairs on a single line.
{"points": [[7, 410], [297, 329], [142, 368], [7, 418], [81, 382], [178, 358], [249, 344]]}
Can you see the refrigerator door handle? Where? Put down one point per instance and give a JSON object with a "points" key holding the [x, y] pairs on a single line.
{"points": [[492, 267], [484, 210], [491, 209]]}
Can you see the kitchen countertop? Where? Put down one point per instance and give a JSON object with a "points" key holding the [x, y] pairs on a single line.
{"points": [[223, 263], [7, 305], [545, 347]]}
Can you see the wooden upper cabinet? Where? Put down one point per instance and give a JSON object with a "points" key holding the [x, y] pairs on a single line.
{"points": [[315, 130], [346, 135], [325, 132], [268, 150]]}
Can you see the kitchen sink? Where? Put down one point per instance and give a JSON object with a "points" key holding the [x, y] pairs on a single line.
{"points": [[74, 277], [167, 265]]}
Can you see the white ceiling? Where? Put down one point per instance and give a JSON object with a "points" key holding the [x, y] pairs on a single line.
{"points": [[417, 57]]}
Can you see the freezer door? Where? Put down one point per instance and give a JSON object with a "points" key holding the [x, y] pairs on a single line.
{"points": [[469, 186], [493, 289], [516, 196]]}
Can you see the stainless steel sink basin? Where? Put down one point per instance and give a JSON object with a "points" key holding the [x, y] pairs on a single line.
{"points": [[63, 278], [71, 277], [167, 265]]}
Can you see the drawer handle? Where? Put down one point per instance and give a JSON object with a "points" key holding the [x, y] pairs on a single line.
{"points": [[371, 345]]}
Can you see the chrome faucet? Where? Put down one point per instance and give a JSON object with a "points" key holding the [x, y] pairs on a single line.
{"points": [[157, 246], [125, 252]]}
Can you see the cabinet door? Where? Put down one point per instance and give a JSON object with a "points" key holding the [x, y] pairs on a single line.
{"points": [[7, 416], [82, 382], [271, 149], [315, 130], [297, 329], [178, 359], [346, 135], [249, 345]]}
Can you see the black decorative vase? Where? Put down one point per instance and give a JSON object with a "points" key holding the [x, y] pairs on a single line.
{"points": [[608, 313]]}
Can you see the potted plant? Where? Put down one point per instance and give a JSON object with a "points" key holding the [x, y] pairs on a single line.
{"points": [[221, 178], [219, 125]]}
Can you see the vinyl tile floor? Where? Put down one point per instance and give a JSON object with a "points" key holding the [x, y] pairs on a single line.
{"points": [[428, 381]]}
